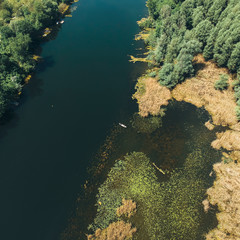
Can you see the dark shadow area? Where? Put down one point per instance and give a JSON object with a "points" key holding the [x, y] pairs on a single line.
{"points": [[198, 66], [47, 62], [35, 88], [9, 120]]}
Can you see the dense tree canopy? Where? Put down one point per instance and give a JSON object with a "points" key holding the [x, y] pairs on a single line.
{"points": [[212, 26], [20, 24]]}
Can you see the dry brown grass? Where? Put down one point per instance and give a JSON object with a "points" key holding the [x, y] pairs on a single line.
{"points": [[152, 98], [235, 155], [127, 209], [226, 195], [229, 140], [115, 231], [200, 91], [209, 125]]}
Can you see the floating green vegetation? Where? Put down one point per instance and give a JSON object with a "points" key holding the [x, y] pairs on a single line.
{"points": [[168, 210], [147, 124]]}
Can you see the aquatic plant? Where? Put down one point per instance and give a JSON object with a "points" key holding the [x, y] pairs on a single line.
{"points": [[170, 210], [147, 124]]}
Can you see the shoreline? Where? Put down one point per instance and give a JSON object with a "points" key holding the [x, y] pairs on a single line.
{"points": [[199, 91], [36, 39]]}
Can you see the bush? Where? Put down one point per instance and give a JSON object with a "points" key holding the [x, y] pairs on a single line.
{"points": [[152, 74], [166, 76], [222, 83], [237, 93], [238, 112]]}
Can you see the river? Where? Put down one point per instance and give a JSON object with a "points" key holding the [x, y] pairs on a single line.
{"points": [[82, 87]]}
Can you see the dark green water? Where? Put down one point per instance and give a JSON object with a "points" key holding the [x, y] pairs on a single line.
{"points": [[81, 89], [182, 134]]}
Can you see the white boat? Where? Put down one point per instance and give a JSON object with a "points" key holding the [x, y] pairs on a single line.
{"points": [[62, 22], [122, 125]]}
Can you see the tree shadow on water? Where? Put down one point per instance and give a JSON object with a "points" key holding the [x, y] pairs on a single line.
{"points": [[9, 120], [47, 62], [33, 89]]}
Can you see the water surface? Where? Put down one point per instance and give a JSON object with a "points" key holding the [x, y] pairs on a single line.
{"points": [[80, 90]]}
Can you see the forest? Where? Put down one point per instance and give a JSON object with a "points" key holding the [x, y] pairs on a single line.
{"points": [[179, 30], [21, 25]]}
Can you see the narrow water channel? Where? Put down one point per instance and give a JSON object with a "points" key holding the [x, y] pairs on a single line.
{"points": [[80, 90]]}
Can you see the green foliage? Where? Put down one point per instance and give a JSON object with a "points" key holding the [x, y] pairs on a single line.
{"points": [[208, 50], [238, 112], [152, 74], [198, 15], [20, 23], [216, 9], [202, 31], [222, 83], [166, 75], [237, 92], [213, 24], [173, 50], [234, 61]]}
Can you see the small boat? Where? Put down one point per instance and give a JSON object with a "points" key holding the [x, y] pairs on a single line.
{"points": [[62, 22], [122, 125], [57, 22]]}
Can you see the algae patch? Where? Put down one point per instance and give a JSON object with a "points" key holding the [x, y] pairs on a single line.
{"points": [[167, 210]]}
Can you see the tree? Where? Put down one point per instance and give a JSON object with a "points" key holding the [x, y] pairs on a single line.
{"points": [[166, 75], [216, 9], [234, 61], [161, 48], [238, 112], [173, 49], [198, 16], [183, 68], [202, 31], [222, 83], [186, 10]]}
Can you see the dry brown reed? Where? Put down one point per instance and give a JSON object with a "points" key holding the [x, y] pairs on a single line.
{"points": [[209, 125], [229, 140], [127, 209], [153, 98], [200, 91], [226, 195], [115, 231]]}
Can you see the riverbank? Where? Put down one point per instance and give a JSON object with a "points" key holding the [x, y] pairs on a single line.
{"points": [[23, 26], [192, 47], [200, 91]]}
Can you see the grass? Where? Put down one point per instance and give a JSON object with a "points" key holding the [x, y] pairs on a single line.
{"points": [[151, 96], [200, 91], [226, 194]]}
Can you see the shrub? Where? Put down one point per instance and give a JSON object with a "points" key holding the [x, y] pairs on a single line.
{"points": [[222, 83], [166, 76], [237, 93], [152, 74], [238, 112]]}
